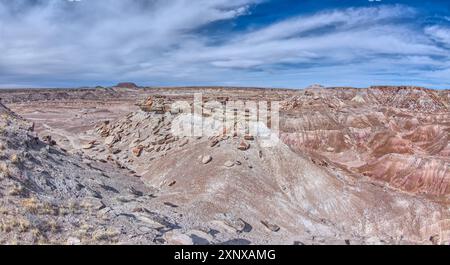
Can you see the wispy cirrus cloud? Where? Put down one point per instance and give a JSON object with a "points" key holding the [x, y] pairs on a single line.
{"points": [[439, 33], [61, 43]]}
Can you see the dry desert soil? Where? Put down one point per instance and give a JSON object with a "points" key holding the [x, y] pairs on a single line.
{"points": [[343, 166]]}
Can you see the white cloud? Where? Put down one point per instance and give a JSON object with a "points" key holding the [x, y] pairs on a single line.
{"points": [[159, 42], [439, 33], [341, 19]]}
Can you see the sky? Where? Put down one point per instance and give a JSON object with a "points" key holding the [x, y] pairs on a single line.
{"points": [[260, 43]]}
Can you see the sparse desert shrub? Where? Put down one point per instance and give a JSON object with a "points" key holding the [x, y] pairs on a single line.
{"points": [[6, 225], [34, 206], [16, 190], [84, 230], [38, 236], [14, 224], [108, 235], [4, 171], [84, 234], [15, 159], [73, 207], [69, 208], [53, 226], [49, 209], [49, 226], [23, 225], [3, 211], [85, 226], [31, 205]]}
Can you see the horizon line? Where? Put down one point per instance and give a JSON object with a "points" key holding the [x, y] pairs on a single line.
{"points": [[221, 86]]}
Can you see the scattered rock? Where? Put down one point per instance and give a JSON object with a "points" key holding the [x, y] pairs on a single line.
{"points": [[135, 192], [15, 159], [87, 146], [435, 239], [243, 146], [271, 227], [155, 104], [172, 183], [73, 241], [200, 237], [48, 140], [140, 210], [249, 137], [135, 141], [93, 203], [373, 241], [206, 159], [214, 142], [170, 204], [229, 164], [111, 140], [104, 211], [124, 199], [108, 234], [175, 237], [115, 151], [137, 151], [233, 223], [358, 99], [150, 221], [183, 142]]}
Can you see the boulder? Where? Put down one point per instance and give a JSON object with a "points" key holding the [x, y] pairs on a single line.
{"points": [[243, 146], [87, 146], [48, 140], [206, 159], [271, 227], [249, 137], [111, 140], [175, 237], [183, 142], [214, 142], [229, 164], [137, 151]]}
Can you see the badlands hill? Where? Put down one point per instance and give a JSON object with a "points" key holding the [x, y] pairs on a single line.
{"points": [[398, 135], [349, 166]]}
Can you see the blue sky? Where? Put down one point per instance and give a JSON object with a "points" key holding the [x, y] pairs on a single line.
{"points": [[265, 43]]}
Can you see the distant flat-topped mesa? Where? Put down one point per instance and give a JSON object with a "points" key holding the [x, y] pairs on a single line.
{"points": [[127, 85]]}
